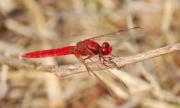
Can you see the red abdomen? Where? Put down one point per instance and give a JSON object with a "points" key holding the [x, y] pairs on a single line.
{"points": [[52, 52]]}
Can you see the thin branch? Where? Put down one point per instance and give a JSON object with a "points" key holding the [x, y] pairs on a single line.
{"points": [[65, 70]]}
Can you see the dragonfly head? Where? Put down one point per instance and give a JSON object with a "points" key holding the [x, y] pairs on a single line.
{"points": [[106, 48]]}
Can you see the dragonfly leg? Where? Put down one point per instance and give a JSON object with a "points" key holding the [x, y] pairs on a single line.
{"points": [[105, 64], [88, 57], [109, 61], [100, 59], [84, 62], [78, 56], [88, 68]]}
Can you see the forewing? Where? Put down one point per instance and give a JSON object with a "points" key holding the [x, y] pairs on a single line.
{"points": [[120, 34]]}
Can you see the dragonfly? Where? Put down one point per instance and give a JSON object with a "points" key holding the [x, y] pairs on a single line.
{"points": [[87, 48]]}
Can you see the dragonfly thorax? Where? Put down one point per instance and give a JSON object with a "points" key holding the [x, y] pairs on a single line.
{"points": [[106, 48]]}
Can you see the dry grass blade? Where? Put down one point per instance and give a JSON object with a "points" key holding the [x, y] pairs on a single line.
{"points": [[132, 82]]}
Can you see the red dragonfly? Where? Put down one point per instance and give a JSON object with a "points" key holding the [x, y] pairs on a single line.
{"points": [[87, 48]]}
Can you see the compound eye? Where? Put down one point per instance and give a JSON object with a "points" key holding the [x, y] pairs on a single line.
{"points": [[106, 48]]}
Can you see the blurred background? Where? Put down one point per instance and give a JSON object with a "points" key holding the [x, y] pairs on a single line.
{"points": [[29, 25]]}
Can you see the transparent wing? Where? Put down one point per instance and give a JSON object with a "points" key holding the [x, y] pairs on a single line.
{"points": [[127, 33]]}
